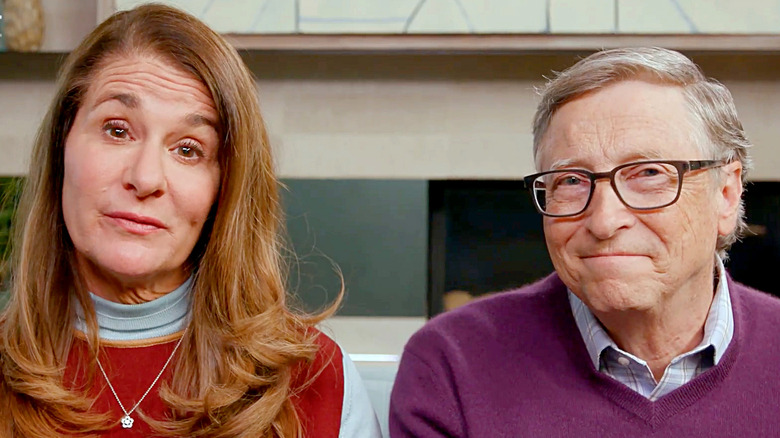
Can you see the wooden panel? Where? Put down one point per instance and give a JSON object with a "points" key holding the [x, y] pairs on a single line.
{"points": [[515, 43]]}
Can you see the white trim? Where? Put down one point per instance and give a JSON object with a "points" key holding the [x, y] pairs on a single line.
{"points": [[374, 357], [372, 338]]}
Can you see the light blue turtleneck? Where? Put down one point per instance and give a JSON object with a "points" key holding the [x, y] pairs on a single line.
{"points": [[132, 322]]}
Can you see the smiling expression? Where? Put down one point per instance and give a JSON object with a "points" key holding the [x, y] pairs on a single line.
{"points": [[141, 174], [615, 258]]}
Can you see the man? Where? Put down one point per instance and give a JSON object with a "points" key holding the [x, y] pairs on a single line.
{"points": [[640, 331]]}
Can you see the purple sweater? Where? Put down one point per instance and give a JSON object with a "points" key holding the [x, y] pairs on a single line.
{"points": [[515, 365]]}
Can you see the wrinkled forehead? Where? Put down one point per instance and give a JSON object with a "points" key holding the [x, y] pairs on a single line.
{"points": [[126, 78], [136, 60], [624, 121]]}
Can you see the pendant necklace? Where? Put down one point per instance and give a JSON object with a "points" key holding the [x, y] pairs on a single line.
{"points": [[127, 420]]}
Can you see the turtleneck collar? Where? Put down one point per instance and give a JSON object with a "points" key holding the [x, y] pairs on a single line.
{"points": [[132, 322]]}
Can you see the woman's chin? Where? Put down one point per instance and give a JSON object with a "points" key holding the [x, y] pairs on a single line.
{"points": [[137, 268]]}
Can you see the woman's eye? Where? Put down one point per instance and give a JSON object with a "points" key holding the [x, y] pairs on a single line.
{"points": [[115, 131], [188, 151]]}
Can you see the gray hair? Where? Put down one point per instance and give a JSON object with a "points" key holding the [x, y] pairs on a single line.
{"points": [[718, 130]]}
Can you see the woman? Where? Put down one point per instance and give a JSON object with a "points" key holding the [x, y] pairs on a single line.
{"points": [[147, 291]]}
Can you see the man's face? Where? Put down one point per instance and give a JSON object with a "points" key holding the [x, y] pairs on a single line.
{"points": [[615, 258]]}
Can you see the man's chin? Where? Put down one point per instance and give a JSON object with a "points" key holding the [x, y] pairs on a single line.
{"points": [[616, 295], [617, 265]]}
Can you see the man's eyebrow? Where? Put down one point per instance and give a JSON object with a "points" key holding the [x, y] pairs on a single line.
{"points": [[196, 119], [129, 100], [650, 155], [566, 162], [640, 156]]}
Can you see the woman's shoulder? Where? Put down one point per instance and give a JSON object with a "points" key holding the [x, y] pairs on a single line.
{"points": [[319, 388], [328, 348], [325, 369]]}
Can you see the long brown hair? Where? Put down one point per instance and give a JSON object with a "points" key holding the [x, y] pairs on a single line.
{"points": [[233, 375]]}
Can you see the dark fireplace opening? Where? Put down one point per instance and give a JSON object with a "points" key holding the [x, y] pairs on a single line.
{"points": [[486, 237]]}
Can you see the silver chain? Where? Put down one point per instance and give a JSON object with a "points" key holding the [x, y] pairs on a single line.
{"points": [[127, 421]]}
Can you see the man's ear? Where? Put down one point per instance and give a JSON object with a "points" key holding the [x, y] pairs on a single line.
{"points": [[729, 197]]}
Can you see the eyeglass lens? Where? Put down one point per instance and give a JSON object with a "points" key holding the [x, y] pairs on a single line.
{"points": [[639, 186]]}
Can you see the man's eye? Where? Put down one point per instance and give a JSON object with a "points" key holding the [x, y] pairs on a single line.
{"points": [[569, 180], [648, 172]]}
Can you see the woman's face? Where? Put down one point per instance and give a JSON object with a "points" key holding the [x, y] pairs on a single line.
{"points": [[141, 175]]}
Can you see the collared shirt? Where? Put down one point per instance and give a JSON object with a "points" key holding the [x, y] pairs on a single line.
{"points": [[634, 372]]}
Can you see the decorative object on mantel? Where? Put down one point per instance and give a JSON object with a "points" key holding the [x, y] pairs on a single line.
{"points": [[24, 25]]}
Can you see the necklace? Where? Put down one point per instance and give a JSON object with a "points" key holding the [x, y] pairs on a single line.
{"points": [[127, 420]]}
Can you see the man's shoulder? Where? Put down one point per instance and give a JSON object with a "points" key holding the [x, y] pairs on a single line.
{"points": [[523, 310], [505, 304], [755, 302]]}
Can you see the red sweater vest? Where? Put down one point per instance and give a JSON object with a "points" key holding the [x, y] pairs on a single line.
{"points": [[132, 366]]}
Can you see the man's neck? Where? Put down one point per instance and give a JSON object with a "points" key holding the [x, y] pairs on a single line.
{"points": [[660, 334]]}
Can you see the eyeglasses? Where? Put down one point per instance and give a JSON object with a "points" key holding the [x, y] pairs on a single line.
{"points": [[642, 185]]}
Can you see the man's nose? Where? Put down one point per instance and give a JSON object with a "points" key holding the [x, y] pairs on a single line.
{"points": [[606, 213]]}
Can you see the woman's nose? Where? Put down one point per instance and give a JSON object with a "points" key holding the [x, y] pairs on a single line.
{"points": [[145, 170]]}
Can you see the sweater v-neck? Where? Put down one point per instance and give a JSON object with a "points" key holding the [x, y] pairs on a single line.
{"points": [[651, 412]]}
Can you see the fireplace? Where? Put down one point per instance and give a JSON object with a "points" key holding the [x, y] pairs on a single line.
{"points": [[484, 236]]}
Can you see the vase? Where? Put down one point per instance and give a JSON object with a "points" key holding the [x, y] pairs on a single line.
{"points": [[23, 23]]}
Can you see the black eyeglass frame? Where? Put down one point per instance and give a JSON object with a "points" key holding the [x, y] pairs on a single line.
{"points": [[682, 167]]}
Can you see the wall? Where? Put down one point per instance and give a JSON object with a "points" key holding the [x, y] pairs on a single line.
{"points": [[399, 117]]}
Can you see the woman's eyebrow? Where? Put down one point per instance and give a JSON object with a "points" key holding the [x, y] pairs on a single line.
{"points": [[132, 101], [129, 100], [196, 119]]}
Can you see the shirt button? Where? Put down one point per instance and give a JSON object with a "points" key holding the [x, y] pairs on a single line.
{"points": [[622, 360]]}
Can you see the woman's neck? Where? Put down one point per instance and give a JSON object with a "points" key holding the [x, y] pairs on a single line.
{"points": [[163, 316], [127, 288]]}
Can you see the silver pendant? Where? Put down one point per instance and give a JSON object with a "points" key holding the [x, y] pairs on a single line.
{"points": [[127, 422]]}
